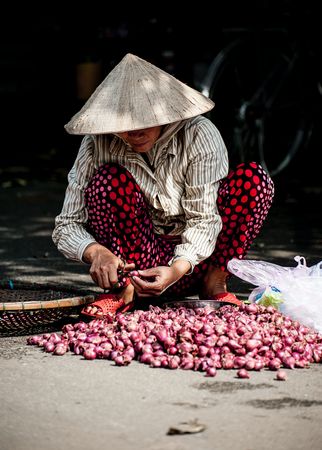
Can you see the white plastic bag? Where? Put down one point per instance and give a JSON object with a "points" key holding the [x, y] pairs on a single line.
{"points": [[295, 291]]}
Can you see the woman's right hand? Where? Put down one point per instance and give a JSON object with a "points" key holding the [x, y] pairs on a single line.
{"points": [[104, 265]]}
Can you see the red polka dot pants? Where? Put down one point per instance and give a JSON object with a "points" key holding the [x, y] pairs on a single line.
{"points": [[118, 218]]}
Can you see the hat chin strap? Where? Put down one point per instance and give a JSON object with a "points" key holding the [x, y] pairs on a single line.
{"points": [[120, 137]]}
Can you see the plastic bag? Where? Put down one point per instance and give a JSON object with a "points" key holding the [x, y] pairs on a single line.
{"points": [[295, 291]]}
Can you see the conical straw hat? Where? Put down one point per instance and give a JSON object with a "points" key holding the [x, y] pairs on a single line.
{"points": [[135, 95]]}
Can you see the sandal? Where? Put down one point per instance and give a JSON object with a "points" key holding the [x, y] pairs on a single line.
{"points": [[106, 304], [227, 298]]}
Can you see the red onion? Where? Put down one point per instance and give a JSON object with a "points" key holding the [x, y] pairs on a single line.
{"points": [[251, 309], [155, 362], [289, 362], [49, 346], [60, 349], [227, 363], [274, 364], [162, 335], [187, 364], [281, 375], [203, 350], [41, 342], [259, 365], [173, 364], [242, 373], [211, 372], [250, 337], [250, 364], [146, 358], [239, 362], [251, 344], [185, 335], [33, 340], [172, 350], [89, 353]]}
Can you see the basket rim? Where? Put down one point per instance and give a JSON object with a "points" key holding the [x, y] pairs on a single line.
{"points": [[81, 296], [46, 304]]}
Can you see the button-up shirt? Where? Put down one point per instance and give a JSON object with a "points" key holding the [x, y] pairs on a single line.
{"points": [[180, 182]]}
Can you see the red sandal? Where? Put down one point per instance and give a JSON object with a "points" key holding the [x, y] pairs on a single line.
{"points": [[227, 298], [105, 304]]}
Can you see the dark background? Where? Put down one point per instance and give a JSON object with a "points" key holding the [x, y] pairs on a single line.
{"points": [[42, 48]]}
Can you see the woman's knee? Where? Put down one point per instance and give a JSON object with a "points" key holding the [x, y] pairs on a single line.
{"points": [[246, 183], [112, 183], [112, 173]]}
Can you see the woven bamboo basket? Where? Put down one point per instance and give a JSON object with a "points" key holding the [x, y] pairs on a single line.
{"points": [[25, 307]]}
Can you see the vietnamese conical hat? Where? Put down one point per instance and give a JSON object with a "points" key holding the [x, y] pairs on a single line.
{"points": [[135, 95]]}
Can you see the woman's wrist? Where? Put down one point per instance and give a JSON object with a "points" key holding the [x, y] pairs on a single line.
{"points": [[91, 250], [181, 267]]}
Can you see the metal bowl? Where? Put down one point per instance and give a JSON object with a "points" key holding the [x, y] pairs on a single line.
{"points": [[194, 303]]}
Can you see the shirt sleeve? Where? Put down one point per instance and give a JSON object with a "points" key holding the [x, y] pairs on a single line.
{"points": [[208, 165], [70, 235]]}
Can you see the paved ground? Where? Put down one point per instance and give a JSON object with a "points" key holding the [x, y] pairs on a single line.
{"points": [[58, 403]]}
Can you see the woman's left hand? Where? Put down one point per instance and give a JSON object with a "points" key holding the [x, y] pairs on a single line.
{"points": [[154, 281]]}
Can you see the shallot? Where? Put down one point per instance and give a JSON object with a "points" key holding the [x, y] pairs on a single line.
{"points": [[246, 338], [281, 375], [242, 373]]}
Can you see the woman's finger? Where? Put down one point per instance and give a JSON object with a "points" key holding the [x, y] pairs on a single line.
{"points": [[141, 284], [146, 288], [94, 277], [112, 276], [149, 273], [129, 266]]}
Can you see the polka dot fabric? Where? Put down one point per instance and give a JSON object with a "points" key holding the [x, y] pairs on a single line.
{"points": [[118, 218], [244, 200]]}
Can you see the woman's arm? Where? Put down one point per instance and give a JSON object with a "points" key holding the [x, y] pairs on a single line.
{"points": [[208, 166], [70, 235]]}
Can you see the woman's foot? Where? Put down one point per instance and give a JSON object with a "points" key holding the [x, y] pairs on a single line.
{"points": [[214, 282], [127, 293], [215, 287], [111, 303]]}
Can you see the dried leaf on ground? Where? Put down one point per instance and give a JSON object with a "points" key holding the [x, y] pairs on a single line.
{"points": [[190, 427]]}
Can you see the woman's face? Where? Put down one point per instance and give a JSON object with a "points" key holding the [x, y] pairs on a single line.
{"points": [[141, 141]]}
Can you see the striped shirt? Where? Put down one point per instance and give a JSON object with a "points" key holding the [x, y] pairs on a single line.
{"points": [[180, 182]]}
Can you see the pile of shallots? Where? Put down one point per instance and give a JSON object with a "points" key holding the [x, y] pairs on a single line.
{"points": [[245, 338]]}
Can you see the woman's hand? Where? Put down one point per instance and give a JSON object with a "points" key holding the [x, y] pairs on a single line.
{"points": [[154, 281], [104, 265]]}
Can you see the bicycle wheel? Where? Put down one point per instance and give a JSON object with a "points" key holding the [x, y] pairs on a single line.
{"points": [[261, 108]]}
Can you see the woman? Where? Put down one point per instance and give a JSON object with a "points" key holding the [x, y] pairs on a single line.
{"points": [[151, 191]]}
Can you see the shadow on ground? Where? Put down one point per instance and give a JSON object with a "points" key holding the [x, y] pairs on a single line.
{"points": [[293, 227]]}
